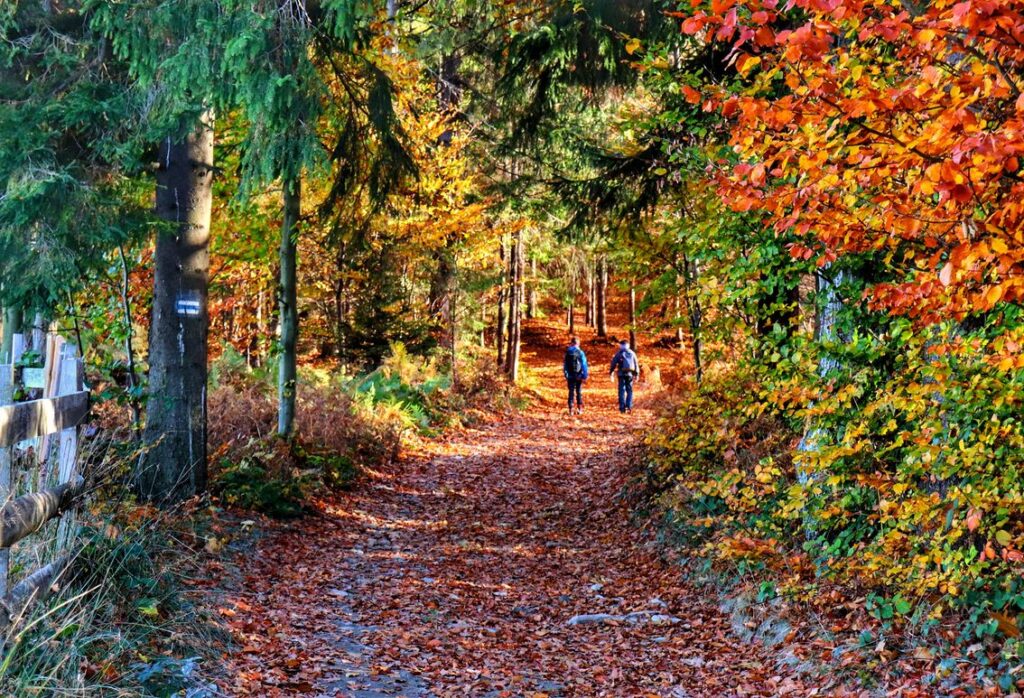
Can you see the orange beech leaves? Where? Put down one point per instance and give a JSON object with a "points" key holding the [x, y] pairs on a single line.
{"points": [[870, 128]]}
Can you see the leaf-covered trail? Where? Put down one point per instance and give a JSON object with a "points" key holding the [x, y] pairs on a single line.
{"points": [[456, 573]]}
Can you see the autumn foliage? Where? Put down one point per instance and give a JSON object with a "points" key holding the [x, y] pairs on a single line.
{"points": [[882, 142]]}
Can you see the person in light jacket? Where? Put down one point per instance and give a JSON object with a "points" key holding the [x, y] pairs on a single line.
{"points": [[627, 366]]}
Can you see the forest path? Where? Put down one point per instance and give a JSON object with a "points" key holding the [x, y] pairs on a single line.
{"points": [[457, 572]]}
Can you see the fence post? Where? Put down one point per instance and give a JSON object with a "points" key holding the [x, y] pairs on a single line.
{"points": [[47, 452], [6, 398], [71, 380]]}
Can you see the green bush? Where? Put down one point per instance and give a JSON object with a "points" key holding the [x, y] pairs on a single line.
{"points": [[256, 484]]}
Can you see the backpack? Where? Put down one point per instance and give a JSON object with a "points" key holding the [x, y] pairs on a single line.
{"points": [[627, 363], [574, 362]]}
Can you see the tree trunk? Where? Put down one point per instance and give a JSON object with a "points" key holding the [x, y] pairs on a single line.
{"points": [[824, 331], [453, 322], [341, 286], [129, 349], [516, 310], [499, 336], [680, 335], [602, 298], [694, 315], [12, 326], [442, 286], [531, 294], [589, 312], [174, 466], [289, 312], [632, 317], [514, 278]]}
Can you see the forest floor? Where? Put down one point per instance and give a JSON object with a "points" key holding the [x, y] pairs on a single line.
{"points": [[465, 567]]}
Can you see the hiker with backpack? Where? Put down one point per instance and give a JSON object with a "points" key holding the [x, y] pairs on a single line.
{"points": [[626, 364], [575, 368]]}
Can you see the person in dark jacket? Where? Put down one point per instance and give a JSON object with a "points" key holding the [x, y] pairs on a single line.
{"points": [[627, 366], [576, 371]]}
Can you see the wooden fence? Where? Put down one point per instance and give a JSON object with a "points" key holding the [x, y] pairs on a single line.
{"points": [[42, 432]]}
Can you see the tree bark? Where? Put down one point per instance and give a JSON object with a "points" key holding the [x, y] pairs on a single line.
{"points": [[602, 297], [442, 286], [694, 315], [174, 466], [27, 514], [12, 326], [680, 335], [289, 312], [453, 322], [515, 309], [129, 349], [589, 313], [500, 331], [632, 317], [531, 294], [33, 588], [515, 271]]}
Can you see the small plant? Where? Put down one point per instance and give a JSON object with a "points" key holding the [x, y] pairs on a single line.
{"points": [[256, 483]]}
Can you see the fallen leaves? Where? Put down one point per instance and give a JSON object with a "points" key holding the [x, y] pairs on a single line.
{"points": [[457, 572]]}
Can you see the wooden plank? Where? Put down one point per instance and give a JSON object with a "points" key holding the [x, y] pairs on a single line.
{"points": [[54, 361], [29, 420], [27, 514], [71, 381]]}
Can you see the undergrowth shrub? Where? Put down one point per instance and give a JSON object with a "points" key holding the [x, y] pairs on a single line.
{"points": [[720, 472], [118, 622], [343, 424], [900, 480]]}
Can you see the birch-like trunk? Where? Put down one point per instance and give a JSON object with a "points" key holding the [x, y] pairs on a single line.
{"points": [[632, 316], [602, 297], [531, 294], [499, 336], [289, 313], [825, 330]]}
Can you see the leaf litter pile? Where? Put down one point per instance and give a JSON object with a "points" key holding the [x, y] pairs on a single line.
{"points": [[493, 562]]}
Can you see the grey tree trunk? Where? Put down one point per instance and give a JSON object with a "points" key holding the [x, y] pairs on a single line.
{"points": [[453, 322], [442, 286], [515, 309], [500, 331], [12, 326], [288, 311], [589, 319], [695, 315], [602, 297], [129, 349], [632, 317], [531, 293], [680, 335], [174, 466], [515, 290], [824, 331]]}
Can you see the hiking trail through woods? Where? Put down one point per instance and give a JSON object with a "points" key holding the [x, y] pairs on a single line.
{"points": [[479, 564]]}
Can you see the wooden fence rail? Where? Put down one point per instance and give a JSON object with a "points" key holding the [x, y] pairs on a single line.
{"points": [[48, 428]]}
